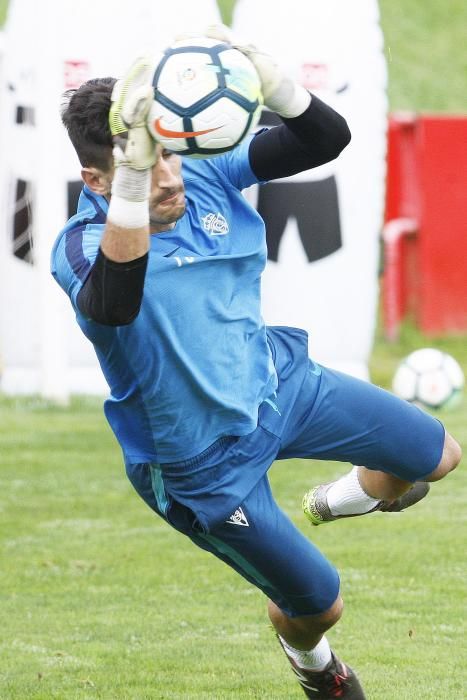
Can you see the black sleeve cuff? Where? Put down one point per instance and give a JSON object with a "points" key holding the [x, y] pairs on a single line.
{"points": [[113, 291]]}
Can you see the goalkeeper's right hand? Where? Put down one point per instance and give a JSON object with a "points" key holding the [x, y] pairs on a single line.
{"points": [[280, 93], [134, 149], [131, 101]]}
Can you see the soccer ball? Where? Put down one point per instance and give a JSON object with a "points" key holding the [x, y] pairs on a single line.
{"points": [[430, 378], [207, 97]]}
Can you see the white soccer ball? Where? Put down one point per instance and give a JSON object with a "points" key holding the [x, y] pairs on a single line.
{"points": [[429, 377], [207, 97]]}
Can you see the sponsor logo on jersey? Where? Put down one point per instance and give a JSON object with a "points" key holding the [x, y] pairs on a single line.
{"points": [[238, 518], [215, 224]]}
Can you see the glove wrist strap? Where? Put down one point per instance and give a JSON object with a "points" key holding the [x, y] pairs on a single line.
{"points": [[289, 100], [131, 184], [129, 206]]}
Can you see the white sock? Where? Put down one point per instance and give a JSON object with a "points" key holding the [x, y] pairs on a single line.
{"points": [[313, 660], [346, 496]]}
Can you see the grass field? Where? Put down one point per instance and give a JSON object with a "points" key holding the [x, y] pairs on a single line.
{"points": [[100, 599]]}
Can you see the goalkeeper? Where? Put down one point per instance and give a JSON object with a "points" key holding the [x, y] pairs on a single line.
{"points": [[203, 396]]}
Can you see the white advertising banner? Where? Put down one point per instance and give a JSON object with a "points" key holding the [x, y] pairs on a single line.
{"points": [[323, 225], [50, 46]]}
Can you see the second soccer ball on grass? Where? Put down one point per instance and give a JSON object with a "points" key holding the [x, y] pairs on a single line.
{"points": [[429, 377]]}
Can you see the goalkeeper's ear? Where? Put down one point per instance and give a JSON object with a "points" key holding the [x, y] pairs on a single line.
{"points": [[98, 181]]}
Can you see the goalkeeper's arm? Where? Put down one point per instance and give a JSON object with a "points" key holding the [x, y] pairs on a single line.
{"points": [[113, 291], [313, 138], [312, 132]]}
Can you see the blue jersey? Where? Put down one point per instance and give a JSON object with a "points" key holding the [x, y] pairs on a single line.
{"points": [[195, 364]]}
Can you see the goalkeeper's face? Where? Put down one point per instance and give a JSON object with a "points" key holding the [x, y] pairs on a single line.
{"points": [[167, 198]]}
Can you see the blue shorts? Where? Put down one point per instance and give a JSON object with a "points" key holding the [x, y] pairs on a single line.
{"points": [[221, 499]]}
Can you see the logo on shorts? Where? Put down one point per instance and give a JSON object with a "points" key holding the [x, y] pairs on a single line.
{"points": [[238, 518]]}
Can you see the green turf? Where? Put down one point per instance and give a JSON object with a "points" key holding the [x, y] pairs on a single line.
{"points": [[100, 599], [3, 10], [427, 66], [424, 42]]}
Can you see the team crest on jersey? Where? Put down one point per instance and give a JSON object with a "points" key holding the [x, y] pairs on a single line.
{"points": [[215, 224], [238, 518]]}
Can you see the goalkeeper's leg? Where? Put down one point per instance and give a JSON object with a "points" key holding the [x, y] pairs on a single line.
{"points": [[262, 544], [364, 490], [401, 446]]}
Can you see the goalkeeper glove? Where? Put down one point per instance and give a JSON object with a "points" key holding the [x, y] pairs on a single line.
{"points": [[131, 101], [134, 149], [280, 93]]}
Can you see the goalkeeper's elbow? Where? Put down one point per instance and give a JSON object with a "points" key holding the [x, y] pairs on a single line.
{"points": [[343, 137]]}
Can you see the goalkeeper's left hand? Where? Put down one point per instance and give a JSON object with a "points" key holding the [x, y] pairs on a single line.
{"points": [[134, 149], [131, 101], [280, 93]]}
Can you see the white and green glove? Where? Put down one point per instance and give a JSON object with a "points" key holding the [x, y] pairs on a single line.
{"points": [[280, 93], [134, 149]]}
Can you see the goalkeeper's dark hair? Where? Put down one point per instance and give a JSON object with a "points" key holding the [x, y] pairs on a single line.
{"points": [[85, 114]]}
